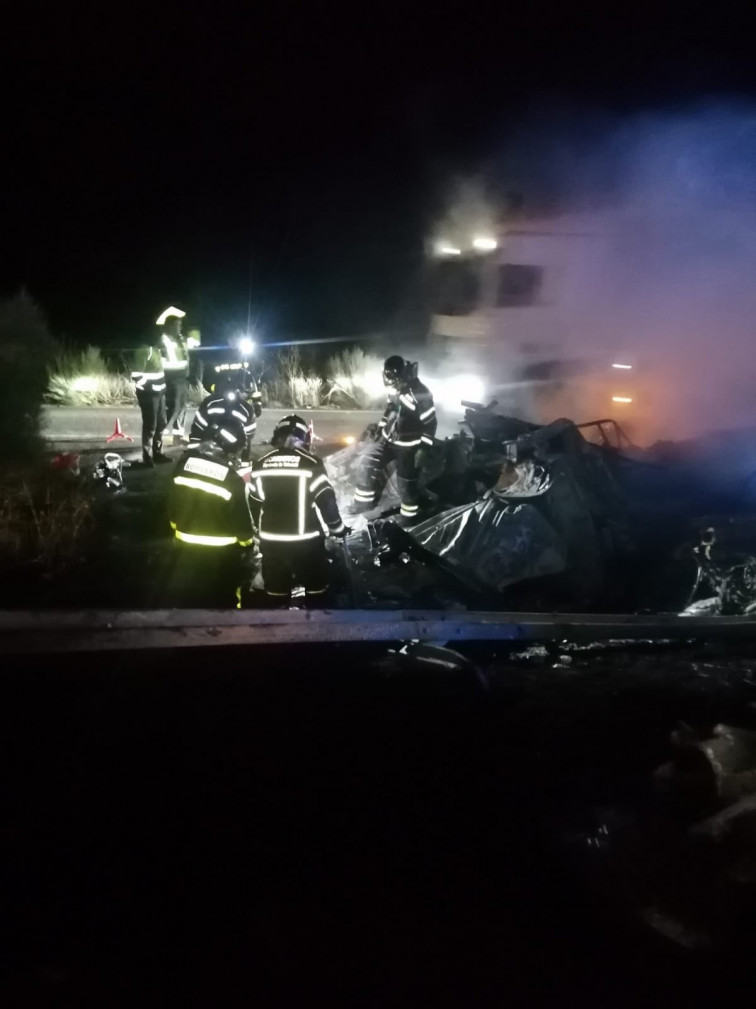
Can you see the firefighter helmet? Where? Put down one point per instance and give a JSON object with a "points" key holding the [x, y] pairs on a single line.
{"points": [[229, 436], [394, 371], [291, 430]]}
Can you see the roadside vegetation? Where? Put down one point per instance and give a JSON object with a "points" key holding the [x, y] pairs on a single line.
{"points": [[351, 379], [45, 513], [26, 349], [45, 517]]}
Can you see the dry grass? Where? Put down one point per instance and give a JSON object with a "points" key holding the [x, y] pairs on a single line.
{"points": [[84, 378], [90, 390], [356, 379], [292, 386], [45, 517]]}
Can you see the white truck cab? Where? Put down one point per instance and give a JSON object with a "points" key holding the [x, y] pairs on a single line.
{"points": [[520, 306]]}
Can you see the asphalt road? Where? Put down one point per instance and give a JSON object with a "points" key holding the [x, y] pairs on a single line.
{"points": [[69, 426]]}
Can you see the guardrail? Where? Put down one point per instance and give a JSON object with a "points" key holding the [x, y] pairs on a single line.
{"points": [[95, 630]]}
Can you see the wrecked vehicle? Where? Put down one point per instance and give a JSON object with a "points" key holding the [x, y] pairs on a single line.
{"points": [[527, 503], [569, 514]]}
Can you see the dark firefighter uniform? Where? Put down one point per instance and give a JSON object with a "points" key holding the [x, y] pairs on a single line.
{"points": [[294, 506], [216, 410], [149, 380], [408, 422], [174, 354], [211, 520]]}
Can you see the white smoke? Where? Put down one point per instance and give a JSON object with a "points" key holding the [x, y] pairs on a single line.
{"points": [[675, 284]]}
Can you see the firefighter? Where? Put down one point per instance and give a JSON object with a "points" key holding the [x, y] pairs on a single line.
{"points": [[294, 506], [408, 422], [211, 519], [229, 400], [174, 353], [149, 380]]}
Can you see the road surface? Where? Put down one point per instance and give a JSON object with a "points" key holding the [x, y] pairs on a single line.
{"points": [[68, 425], [73, 426]]}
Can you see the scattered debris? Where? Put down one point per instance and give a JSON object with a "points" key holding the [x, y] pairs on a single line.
{"points": [[109, 470]]}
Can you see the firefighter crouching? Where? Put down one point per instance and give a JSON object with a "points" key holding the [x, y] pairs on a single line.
{"points": [[149, 380], [408, 422], [294, 505], [229, 403], [174, 354], [211, 520]]}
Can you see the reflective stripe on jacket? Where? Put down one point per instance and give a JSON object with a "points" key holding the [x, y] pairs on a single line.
{"points": [[174, 355], [292, 498], [217, 409], [208, 502], [410, 416], [148, 374]]}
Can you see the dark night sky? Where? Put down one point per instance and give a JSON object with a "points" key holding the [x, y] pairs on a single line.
{"points": [[148, 156]]}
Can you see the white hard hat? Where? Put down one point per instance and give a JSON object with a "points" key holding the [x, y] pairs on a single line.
{"points": [[167, 315]]}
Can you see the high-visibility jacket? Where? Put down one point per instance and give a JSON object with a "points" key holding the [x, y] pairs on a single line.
{"points": [[292, 498], [208, 502], [410, 416], [174, 355], [148, 371], [217, 409]]}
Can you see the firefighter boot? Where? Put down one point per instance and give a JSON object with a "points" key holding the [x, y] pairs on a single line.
{"points": [[158, 454], [408, 494]]}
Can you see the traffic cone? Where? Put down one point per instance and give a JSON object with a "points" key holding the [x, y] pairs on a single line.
{"points": [[118, 433]]}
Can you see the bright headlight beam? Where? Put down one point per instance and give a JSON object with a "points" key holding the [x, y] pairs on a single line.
{"points": [[622, 399], [246, 346], [447, 250], [624, 367], [483, 244]]}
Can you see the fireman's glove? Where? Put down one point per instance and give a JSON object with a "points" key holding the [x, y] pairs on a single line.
{"points": [[344, 533]]}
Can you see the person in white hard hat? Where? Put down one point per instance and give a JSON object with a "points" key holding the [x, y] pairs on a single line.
{"points": [[149, 381], [174, 355]]}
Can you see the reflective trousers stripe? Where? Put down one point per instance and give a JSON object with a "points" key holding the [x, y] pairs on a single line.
{"points": [[206, 541]]}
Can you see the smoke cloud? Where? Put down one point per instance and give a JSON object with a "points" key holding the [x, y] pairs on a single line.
{"points": [[673, 281]]}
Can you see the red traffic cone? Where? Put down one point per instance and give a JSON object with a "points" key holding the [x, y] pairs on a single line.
{"points": [[118, 433]]}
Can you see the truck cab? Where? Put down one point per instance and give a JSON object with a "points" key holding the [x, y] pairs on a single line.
{"points": [[519, 305]]}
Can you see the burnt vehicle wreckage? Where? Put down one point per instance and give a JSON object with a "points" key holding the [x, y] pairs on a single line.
{"points": [[568, 516]]}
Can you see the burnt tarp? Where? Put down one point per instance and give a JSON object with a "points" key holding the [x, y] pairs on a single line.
{"points": [[500, 543], [556, 509]]}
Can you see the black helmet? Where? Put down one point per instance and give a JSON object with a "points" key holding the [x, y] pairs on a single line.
{"points": [[291, 430], [394, 371], [228, 436], [236, 380]]}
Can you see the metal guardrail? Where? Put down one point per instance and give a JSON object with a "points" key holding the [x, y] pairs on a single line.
{"points": [[23, 632]]}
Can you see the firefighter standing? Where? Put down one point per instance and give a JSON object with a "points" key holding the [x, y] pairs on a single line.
{"points": [[210, 518], [408, 422], [175, 357], [149, 379], [294, 504]]}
